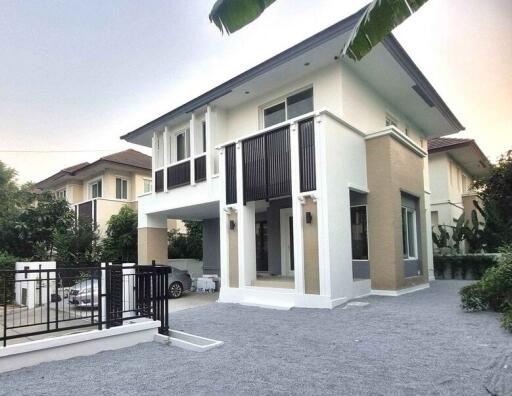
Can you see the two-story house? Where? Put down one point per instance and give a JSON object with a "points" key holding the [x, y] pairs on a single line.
{"points": [[310, 173], [99, 189], [454, 164]]}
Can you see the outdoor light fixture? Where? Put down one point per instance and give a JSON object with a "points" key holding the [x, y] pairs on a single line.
{"points": [[309, 217], [231, 225], [247, 92]]}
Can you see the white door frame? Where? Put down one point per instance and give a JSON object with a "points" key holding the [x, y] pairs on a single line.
{"points": [[284, 217]]}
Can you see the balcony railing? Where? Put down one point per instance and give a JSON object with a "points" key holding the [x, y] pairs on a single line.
{"points": [[178, 175], [200, 169]]}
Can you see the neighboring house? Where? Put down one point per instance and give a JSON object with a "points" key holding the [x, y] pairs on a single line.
{"points": [[309, 172], [454, 164], [99, 189]]}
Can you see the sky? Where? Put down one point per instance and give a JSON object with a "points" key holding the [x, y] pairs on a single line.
{"points": [[76, 75]]}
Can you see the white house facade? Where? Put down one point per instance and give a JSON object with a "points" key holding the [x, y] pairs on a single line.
{"points": [[310, 174]]}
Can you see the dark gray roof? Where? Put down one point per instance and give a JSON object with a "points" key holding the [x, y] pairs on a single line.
{"points": [[345, 25]]}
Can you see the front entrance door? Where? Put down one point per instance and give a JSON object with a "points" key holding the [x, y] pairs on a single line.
{"points": [[261, 246], [287, 257]]}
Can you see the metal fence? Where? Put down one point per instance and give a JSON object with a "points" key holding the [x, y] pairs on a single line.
{"points": [[35, 302]]}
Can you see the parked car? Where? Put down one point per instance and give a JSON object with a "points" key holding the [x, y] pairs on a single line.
{"points": [[83, 292], [179, 282]]}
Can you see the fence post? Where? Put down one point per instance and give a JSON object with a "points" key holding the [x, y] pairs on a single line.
{"points": [[48, 300], [100, 297], [107, 294], [5, 310], [165, 319], [153, 290]]}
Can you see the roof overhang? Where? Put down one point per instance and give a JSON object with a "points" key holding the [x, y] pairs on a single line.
{"points": [[468, 155], [388, 69]]}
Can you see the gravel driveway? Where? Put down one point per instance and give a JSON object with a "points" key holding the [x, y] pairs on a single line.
{"points": [[421, 343]]}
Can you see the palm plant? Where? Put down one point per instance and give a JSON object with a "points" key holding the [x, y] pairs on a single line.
{"points": [[379, 18]]}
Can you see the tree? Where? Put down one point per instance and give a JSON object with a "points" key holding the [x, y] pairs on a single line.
{"points": [[38, 224], [78, 243], [378, 20], [120, 243], [189, 244], [495, 191]]}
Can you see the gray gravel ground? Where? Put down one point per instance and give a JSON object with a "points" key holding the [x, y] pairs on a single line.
{"points": [[421, 343]]}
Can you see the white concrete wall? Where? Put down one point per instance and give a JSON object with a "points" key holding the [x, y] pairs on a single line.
{"points": [[30, 282], [364, 108], [343, 166]]}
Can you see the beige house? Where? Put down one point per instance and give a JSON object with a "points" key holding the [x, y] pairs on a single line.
{"points": [[309, 172], [454, 164], [99, 189]]}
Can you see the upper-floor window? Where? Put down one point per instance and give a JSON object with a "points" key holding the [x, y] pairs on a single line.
{"points": [[182, 145], [121, 188], [95, 189], [148, 185], [61, 194], [292, 106], [409, 234]]}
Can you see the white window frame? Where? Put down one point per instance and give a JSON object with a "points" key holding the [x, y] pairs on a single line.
{"points": [[283, 99], [174, 146], [122, 178], [367, 233], [91, 183], [144, 185], [415, 230], [61, 193]]}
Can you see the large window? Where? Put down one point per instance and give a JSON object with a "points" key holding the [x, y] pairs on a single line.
{"points": [[359, 229], [121, 188], [293, 106], [409, 234], [95, 188]]}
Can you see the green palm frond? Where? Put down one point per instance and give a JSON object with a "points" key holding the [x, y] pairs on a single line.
{"points": [[232, 15], [378, 20]]}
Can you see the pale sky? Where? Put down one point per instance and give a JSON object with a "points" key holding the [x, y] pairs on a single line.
{"points": [[75, 75]]}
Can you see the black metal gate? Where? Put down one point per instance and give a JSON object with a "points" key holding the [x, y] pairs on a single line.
{"points": [[73, 297]]}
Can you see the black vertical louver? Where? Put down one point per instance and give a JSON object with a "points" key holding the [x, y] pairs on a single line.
{"points": [[230, 154], [278, 163], [266, 165], [178, 175], [307, 155], [200, 169], [159, 180], [254, 168]]}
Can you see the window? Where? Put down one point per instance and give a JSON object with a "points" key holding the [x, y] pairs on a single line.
{"points": [[148, 185], [182, 145], [293, 106], [61, 194], [409, 232], [359, 229], [96, 189], [121, 188]]}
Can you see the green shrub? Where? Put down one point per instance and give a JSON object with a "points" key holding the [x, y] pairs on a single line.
{"points": [[506, 322], [461, 264], [7, 262], [493, 291], [473, 298]]}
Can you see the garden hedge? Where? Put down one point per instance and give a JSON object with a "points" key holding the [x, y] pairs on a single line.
{"points": [[461, 266]]}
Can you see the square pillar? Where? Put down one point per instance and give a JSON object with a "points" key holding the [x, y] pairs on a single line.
{"points": [[152, 239]]}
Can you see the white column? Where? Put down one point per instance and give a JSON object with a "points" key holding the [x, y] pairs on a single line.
{"points": [[153, 160], [324, 261], [223, 224], [246, 228], [208, 118], [167, 154], [298, 241], [192, 140]]}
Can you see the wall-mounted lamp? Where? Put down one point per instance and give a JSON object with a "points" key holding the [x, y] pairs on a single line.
{"points": [[232, 224], [309, 217]]}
